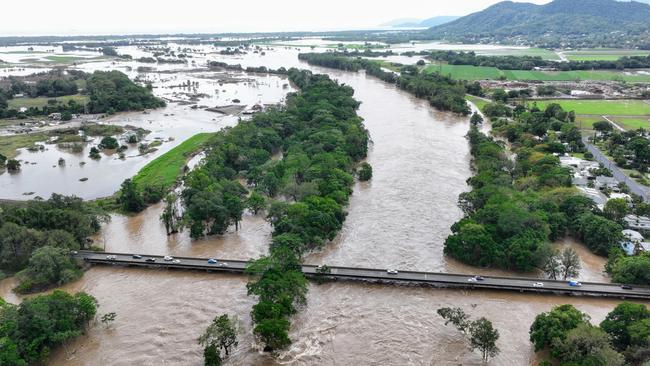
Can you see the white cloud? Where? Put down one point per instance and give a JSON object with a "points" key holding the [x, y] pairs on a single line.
{"points": [[64, 17]]}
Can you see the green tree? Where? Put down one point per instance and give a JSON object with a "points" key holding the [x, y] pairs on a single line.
{"points": [[632, 270], [586, 345], [603, 127], [130, 197], [455, 316], [476, 119], [222, 332], [3, 160], [619, 320], [48, 266], [109, 142], [483, 336], [365, 172], [554, 325], [616, 209], [211, 355], [256, 202]]}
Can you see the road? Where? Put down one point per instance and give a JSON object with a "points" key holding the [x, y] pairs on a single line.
{"points": [[382, 276], [619, 175]]}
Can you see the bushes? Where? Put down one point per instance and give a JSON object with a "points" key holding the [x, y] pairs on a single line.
{"points": [[631, 270]]}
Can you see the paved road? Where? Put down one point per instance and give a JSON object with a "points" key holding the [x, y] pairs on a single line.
{"points": [[382, 276], [635, 187]]}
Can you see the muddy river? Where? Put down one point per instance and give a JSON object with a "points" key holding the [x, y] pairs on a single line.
{"points": [[400, 219]]}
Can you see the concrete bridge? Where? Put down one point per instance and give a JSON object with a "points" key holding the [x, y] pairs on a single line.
{"points": [[439, 280]]}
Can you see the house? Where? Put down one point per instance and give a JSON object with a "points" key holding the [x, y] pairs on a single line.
{"points": [[603, 182], [632, 242], [55, 116], [635, 222]]}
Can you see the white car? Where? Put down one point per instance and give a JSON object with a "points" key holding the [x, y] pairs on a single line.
{"points": [[223, 264], [471, 279], [391, 271], [111, 257], [176, 261], [538, 284], [168, 258]]}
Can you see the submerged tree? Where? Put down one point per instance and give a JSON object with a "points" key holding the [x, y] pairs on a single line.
{"points": [[170, 215], [483, 336], [221, 334]]}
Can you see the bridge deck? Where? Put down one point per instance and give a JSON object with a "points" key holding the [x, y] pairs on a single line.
{"points": [[381, 275]]}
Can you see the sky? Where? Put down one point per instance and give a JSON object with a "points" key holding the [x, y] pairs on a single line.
{"points": [[84, 17]]}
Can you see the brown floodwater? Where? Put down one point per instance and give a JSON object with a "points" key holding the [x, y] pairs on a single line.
{"points": [[399, 219]]}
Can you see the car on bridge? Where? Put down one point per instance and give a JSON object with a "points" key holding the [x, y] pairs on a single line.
{"points": [[168, 258], [212, 261], [391, 271], [111, 257], [150, 260], [574, 283], [538, 284], [136, 256]]}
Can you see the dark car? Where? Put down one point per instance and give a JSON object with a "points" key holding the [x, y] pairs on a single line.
{"points": [[626, 287], [137, 256], [479, 278], [150, 260]]}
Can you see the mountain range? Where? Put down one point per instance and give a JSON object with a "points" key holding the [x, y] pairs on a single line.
{"points": [[559, 18], [418, 23]]}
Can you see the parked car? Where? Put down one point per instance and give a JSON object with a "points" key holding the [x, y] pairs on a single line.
{"points": [[111, 257], [168, 258], [626, 287], [150, 260], [212, 261], [575, 284], [137, 256], [391, 271], [538, 284]]}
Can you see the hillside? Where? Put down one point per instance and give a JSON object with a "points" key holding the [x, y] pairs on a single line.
{"points": [[576, 22]]}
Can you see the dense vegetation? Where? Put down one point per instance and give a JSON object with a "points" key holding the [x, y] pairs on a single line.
{"points": [[629, 149], [321, 138], [29, 331], [569, 23], [442, 92], [113, 91], [516, 207], [37, 237], [623, 337], [530, 62]]}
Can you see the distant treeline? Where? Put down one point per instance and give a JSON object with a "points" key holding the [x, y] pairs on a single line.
{"points": [[530, 62], [442, 92]]}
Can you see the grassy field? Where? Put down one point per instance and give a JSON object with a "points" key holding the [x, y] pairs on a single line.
{"points": [[468, 72], [9, 144], [167, 168], [42, 101], [587, 123], [480, 103], [602, 54], [535, 52], [633, 123], [602, 107]]}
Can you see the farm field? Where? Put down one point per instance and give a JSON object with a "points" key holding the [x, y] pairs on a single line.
{"points": [[601, 107], [602, 54], [468, 72]]}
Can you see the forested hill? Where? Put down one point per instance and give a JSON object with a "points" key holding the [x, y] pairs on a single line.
{"points": [[571, 21]]}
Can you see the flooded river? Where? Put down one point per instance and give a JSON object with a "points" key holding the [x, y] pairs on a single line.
{"points": [[400, 219]]}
